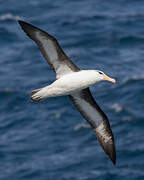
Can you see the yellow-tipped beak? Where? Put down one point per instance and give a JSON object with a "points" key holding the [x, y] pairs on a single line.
{"points": [[109, 79]]}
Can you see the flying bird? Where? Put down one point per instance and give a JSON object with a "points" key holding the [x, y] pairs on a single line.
{"points": [[74, 82]]}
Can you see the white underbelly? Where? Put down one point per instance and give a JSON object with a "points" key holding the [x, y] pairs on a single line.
{"points": [[70, 83]]}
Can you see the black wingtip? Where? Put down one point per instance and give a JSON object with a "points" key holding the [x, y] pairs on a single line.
{"points": [[106, 140], [22, 22], [112, 154], [109, 149], [25, 25], [29, 29]]}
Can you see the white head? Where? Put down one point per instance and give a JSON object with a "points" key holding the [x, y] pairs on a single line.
{"points": [[101, 76]]}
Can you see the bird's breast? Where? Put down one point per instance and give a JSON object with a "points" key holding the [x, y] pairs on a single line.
{"points": [[74, 81]]}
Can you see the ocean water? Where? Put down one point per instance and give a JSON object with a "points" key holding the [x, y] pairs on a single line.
{"points": [[51, 140]]}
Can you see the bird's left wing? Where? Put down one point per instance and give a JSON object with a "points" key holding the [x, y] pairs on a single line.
{"points": [[89, 109], [50, 49]]}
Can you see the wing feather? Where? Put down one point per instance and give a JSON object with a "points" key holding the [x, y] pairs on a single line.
{"points": [[50, 49], [86, 105]]}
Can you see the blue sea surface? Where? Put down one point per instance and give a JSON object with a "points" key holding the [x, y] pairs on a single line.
{"points": [[50, 140]]}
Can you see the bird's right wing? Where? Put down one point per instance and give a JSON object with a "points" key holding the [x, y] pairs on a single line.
{"points": [[89, 109], [50, 49]]}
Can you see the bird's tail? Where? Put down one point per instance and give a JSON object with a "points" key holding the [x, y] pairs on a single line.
{"points": [[36, 95]]}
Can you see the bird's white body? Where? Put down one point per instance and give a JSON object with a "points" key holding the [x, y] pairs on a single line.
{"points": [[69, 83]]}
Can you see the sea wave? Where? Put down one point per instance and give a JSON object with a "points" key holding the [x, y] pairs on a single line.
{"points": [[9, 16], [134, 78], [81, 126], [116, 107], [127, 118], [7, 91], [131, 39]]}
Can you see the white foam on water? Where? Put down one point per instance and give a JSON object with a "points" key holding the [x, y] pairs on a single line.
{"points": [[9, 16], [116, 107], [81, 126]]}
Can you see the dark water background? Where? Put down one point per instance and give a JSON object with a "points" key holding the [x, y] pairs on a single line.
{"points": [[51, 140]]}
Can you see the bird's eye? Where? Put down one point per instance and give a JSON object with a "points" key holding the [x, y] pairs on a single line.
{"points": [[100, 72]]}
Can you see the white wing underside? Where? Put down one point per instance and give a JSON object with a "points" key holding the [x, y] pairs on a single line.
{"points": [[86, 105]]}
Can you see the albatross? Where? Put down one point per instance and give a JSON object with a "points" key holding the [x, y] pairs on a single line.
{"points": [[74, 82]]}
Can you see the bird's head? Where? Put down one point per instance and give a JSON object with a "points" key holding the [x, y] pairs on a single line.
{"points": [[101, 76]]}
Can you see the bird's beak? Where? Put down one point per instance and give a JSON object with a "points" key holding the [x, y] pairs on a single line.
{"points": [[109, 79]]}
